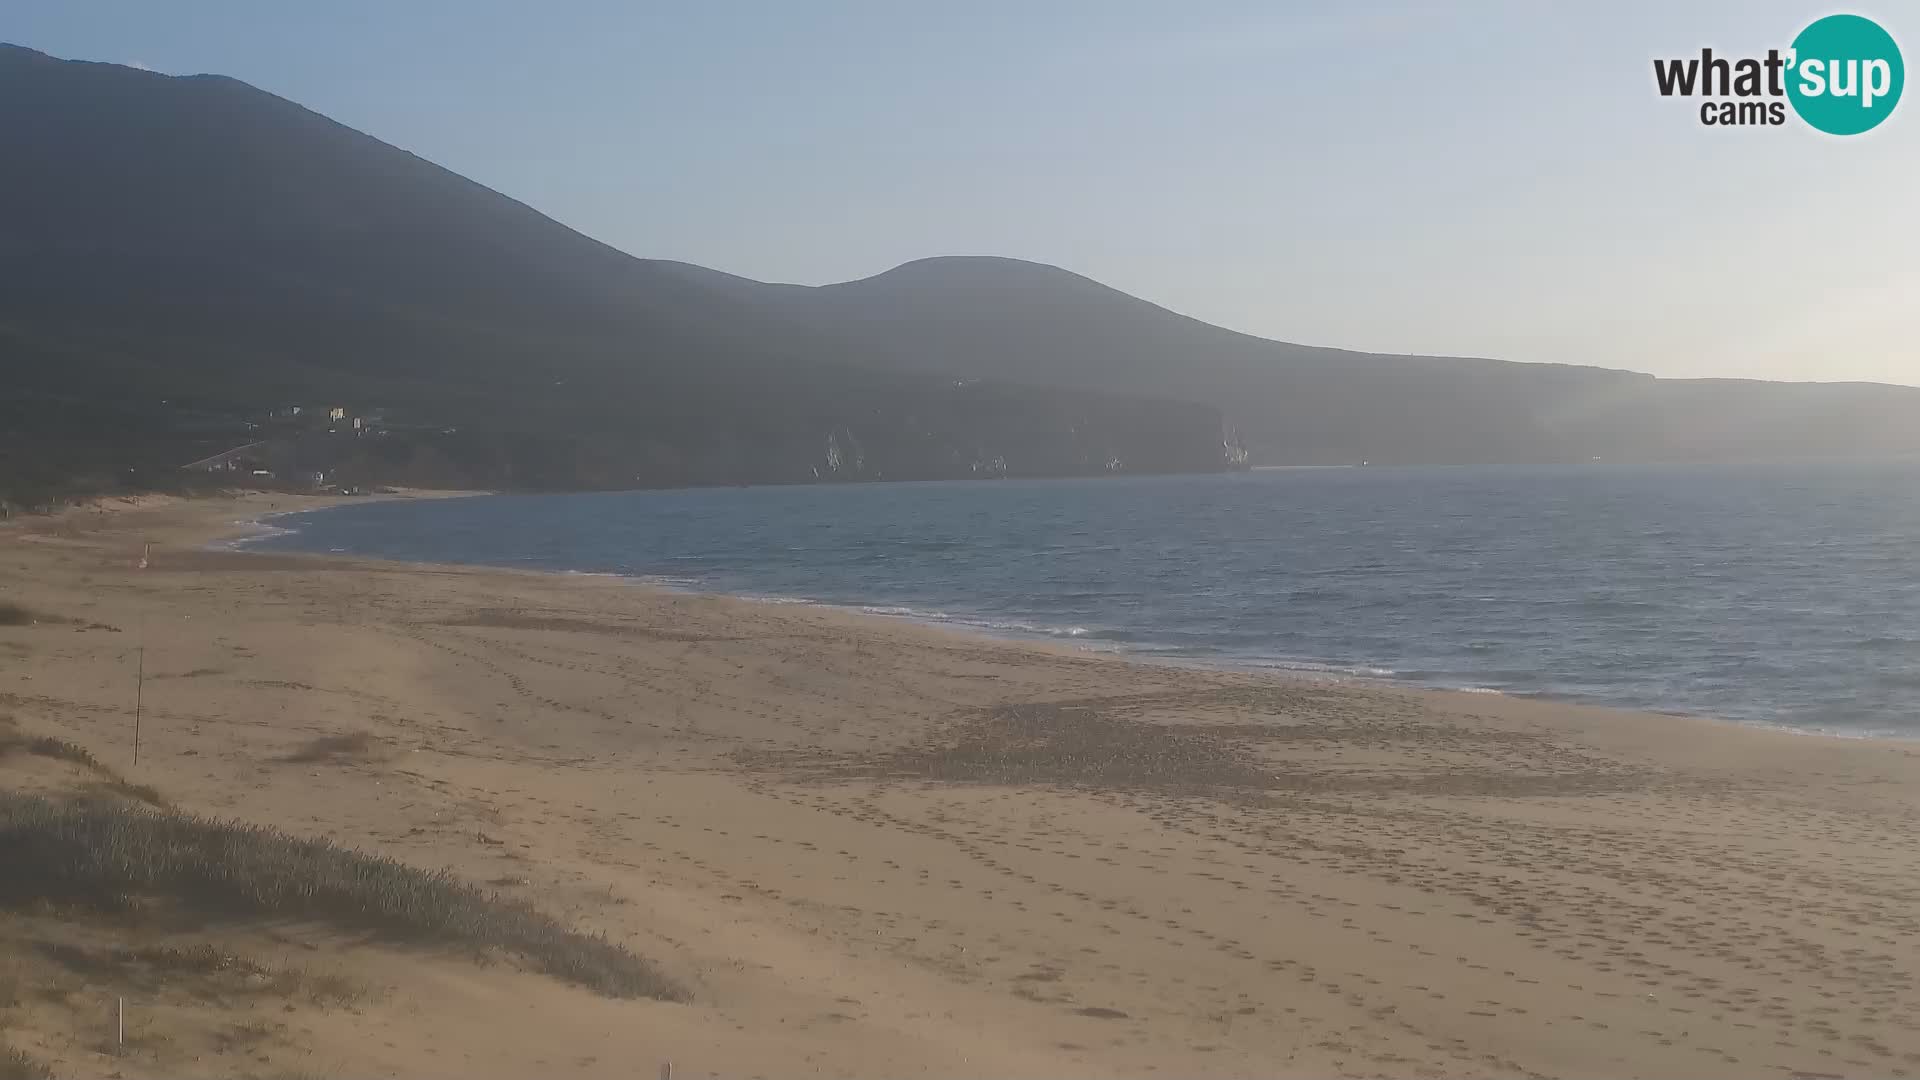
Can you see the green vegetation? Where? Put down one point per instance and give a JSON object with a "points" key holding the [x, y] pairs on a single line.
{"points": [[108, 856], [508, 350], [54, 453]]}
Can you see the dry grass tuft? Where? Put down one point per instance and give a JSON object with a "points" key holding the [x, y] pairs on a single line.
{"points": [[111, 856], [108, 783], [62, 750], [127, 789], [207, 968]]}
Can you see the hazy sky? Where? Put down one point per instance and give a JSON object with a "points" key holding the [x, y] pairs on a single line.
{"points": [[1487, 179]]}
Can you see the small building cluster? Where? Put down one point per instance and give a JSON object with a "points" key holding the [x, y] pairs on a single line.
{"points": [[295, 445]]}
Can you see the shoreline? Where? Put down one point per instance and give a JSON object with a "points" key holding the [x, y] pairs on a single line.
{"points": [[205, 534], [882, 848], [1304, 671]]}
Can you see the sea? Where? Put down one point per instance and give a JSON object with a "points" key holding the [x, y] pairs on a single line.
{"points": [[1782, 595]]}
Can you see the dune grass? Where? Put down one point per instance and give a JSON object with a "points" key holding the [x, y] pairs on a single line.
{"points": [[62, 750], [109, 856], [11, 740], [204, 969]]}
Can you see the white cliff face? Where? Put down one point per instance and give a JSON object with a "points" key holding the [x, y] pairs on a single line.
{"points": [[990, 466], [1233, 449], [845, 456]]}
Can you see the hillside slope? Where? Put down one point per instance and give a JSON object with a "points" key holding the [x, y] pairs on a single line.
{"points": [[197, 241], [180, 253], [1300, 404]]}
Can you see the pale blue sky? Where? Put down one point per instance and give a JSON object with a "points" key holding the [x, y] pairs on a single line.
{"points": [[1489, 179]]}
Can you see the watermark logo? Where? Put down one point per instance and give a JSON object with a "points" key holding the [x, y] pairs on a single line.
{"points": [[1842, 75], [1849, 75]]}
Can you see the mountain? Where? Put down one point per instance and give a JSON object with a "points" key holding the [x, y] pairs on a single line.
{"points": [[183, 252], [180, 256], [1003, 318]]}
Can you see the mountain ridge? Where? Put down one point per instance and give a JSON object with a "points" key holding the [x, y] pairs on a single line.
{"points": [[183, 237], [196, 237], [1304, 404]]}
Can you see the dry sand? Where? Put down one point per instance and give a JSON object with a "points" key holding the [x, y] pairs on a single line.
{"points": [[875, 849]]}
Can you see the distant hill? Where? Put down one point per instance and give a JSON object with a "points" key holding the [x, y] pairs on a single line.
{"points": [[1004, 318], [180, 254], [175, 250]]}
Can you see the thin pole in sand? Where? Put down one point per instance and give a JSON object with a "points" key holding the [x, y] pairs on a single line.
{"points": [[139, 692], [123, 1022], [140, 674]]}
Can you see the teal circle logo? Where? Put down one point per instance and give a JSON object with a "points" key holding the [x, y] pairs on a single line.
{"points": [[1845, 75]]}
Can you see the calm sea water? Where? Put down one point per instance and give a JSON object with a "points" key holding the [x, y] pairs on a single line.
{"points": [[1775, 594]]}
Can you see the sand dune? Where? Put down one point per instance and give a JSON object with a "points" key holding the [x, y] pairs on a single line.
{"points": [[871, 848]]}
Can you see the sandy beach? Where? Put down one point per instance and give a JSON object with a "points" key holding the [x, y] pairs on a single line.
{"points": [[871, 848]]}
